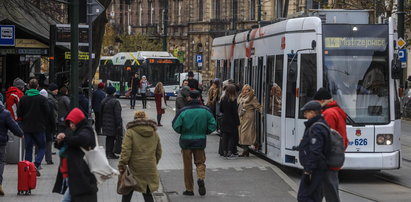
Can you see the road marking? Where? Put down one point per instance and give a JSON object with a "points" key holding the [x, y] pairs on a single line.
{"points": [[238, 169]]}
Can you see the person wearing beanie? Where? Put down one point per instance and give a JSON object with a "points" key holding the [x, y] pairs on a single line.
{"points": [[74, 178], [193, 139], [13, 95], [6, 123], [34, 111], [141, 149], [112, 123], [98, 96], [336, 119], [83, 101]]}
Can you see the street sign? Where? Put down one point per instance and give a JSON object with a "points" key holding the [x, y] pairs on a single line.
{"points": [[402, 55], [401, 43], [199, 58], [64, 35], [7, 35], [81, 55], [94, 9]]}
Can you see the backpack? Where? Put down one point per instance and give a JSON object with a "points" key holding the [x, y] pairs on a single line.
{"points": [[334, 154]]}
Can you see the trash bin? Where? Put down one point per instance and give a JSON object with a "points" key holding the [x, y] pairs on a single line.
{"points": [[14, 149]]}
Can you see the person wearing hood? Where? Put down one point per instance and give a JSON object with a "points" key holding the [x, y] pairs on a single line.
{"points": [[98, 96], [6, 123], [141, 152], [73, 170], [13, 95], [34, 111], [112, 123], [336, 119], [50, 127]]}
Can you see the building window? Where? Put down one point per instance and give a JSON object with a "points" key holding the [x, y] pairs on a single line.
{"points": [[216, 8], [140, 11], [151, 12], [179, 12], [252, 9], [200, 10]]}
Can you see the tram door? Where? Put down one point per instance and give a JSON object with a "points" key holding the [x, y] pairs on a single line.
{"points": [[259, 85], [290, 101]]}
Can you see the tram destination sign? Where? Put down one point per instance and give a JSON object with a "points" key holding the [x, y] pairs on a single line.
{"points": [[363, 43]]}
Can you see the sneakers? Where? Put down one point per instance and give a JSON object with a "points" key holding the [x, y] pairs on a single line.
{"points": [[188, 193], [201, 187], [232, 157], [1, 190], [50, 162]]}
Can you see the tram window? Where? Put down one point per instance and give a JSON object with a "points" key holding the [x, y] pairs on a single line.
{"points": [[218, 69], [278, 80], [249, 71], [308, 80], [225, 68], [236, 68], [291, 86], [240, 72], [270, 82]]}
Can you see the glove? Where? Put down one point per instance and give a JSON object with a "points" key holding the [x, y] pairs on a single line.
{"points": [[307, 178], [121, 168]]}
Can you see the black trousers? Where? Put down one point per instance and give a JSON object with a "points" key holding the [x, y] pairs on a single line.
{"points": [[148, 197], [110, 145], [97, 124], [312, 191], [144, 100], [133, 97], [229, 146]]}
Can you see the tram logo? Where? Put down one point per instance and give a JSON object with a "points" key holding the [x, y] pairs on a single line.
{"points": [[358, 132]]}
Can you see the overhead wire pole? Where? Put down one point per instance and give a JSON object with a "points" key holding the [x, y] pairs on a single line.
{"points": [[74, 77], [90, 53], [165, 24]]}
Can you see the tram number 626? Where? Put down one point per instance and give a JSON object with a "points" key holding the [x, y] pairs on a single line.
{"points": [[361, 141]]}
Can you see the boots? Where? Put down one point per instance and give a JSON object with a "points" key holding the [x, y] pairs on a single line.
{"points": [[1, 190], [246, 152], [159, 120]]}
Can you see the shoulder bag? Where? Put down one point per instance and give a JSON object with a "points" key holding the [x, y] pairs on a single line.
{"points": [[126, 182]]}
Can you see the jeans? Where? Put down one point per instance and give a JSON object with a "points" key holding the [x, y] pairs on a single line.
{"points": [[38, 139], [66, 196], [2, 162], [148, 197]]}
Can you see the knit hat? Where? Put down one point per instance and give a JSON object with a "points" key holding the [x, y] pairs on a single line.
{"points": [[53, 87], [110, 90], [101, 85], [194, 94], [190, 74], [44, 93], [75, 116], [19, 83], [322, 94], [140, 114]]}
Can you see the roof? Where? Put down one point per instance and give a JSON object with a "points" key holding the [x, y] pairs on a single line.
{"points": [[26, 16]]}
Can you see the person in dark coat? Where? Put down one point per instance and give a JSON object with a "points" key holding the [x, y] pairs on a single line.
{"points": [[134, 86], [230, 122], [112, 122], [82, 185], [33, 109], [6, 123], [63, 108], [159, 96], [98, 96], [183, 93], [312, 150], [50, 127], [83, 102]]}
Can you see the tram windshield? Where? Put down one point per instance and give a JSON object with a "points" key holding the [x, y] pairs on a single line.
{"points": [[163, 70], [356, 70]]}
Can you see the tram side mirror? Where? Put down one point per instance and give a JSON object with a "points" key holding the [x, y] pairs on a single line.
{"points": [[396, 71], [313, 44]]}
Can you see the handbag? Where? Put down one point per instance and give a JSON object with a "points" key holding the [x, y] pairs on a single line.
{"points": [[163, 103], [98, 164], [126, 182]]}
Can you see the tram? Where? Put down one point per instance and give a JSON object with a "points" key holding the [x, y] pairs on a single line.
{"points": [[286, 62], [157, 66]]}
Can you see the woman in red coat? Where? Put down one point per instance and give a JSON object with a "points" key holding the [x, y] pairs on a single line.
{"points": [[159, 96]]}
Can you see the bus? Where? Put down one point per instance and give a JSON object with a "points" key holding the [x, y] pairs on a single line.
{"points": [[157, 66], [286, 62]]}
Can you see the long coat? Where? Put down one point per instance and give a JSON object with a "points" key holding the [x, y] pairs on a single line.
{"points": [[82, 183], [213, 97], [230, 120], [247, 105], [141, 151], [158, 97], [112, 123]]}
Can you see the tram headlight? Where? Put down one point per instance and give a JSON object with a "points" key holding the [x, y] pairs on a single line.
{"points": [[385, 139]]}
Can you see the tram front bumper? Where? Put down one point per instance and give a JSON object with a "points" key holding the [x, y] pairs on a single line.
{"points": [[372, 161]]}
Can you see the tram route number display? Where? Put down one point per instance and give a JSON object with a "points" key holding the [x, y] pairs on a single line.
{"points": [[359, 142], [355, 43]]}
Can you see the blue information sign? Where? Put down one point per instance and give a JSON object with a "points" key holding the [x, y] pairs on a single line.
{"points": [[7, 35], [402, 55]]}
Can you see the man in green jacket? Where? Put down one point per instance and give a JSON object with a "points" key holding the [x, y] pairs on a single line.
{"points": [[194, 122]]}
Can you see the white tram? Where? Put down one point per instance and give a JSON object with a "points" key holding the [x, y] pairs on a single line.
{"points": [[288, 61]]}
